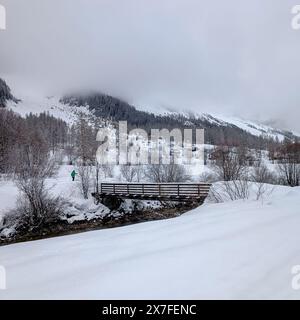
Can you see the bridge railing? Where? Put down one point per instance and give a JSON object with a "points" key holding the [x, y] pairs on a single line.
{"points": [[156, 189]]}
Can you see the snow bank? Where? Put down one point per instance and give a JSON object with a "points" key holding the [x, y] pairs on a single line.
{"points": [[8, 197], [62, 185], [240, 249]]}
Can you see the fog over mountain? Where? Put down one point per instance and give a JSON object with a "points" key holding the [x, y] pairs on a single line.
{"points": [[229, 57]]}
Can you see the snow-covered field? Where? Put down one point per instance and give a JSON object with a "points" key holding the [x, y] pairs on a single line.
{"points": [[240, 249], [60, 185]]}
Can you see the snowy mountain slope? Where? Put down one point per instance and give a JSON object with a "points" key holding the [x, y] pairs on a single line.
{"points": [[255, 129], [70, 113], [107, 107], [249, 126], [52, 105], [241, 249]]}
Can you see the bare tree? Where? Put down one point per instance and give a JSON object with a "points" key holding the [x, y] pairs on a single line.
{"points": [[230, 167], [97, 177], [289, 164], [108, 170], [85, 141], [128, 172], [261, 174], [140, 172], [36, 207], [262, 178], [70, 153], [166, 173], [229, 190], [85, 173], [229, 163]]}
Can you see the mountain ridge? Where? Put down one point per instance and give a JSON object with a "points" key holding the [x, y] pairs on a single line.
{"points": [[219, 129], [109, 107]]}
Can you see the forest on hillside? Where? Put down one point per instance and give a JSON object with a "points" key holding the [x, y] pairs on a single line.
{"points": [[114, 109]]}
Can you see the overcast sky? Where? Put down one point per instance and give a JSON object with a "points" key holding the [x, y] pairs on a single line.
{"points": [[234, 57]]}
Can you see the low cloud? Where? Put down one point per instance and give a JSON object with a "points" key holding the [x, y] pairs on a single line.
{"points": [[230, 57]]}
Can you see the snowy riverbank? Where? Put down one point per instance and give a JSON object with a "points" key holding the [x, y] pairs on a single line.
{"points": [[240, 249]]}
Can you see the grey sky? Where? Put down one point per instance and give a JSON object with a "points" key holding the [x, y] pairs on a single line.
{"points": [[233, 57]]}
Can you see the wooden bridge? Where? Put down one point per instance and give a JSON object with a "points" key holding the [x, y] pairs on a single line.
{"points": [[195, 192]]}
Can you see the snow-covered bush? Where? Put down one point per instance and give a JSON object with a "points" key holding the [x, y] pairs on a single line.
{"points": [[27, 217], [262, 178], [33, 164], [225, 191], [229, 191], [208, 177], [262, 174]]}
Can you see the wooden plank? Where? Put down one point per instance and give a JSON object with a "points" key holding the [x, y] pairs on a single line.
{"points": [[156, 184]]}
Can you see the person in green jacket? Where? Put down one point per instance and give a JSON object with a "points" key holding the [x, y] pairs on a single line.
{"points": [[73, 174]]}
